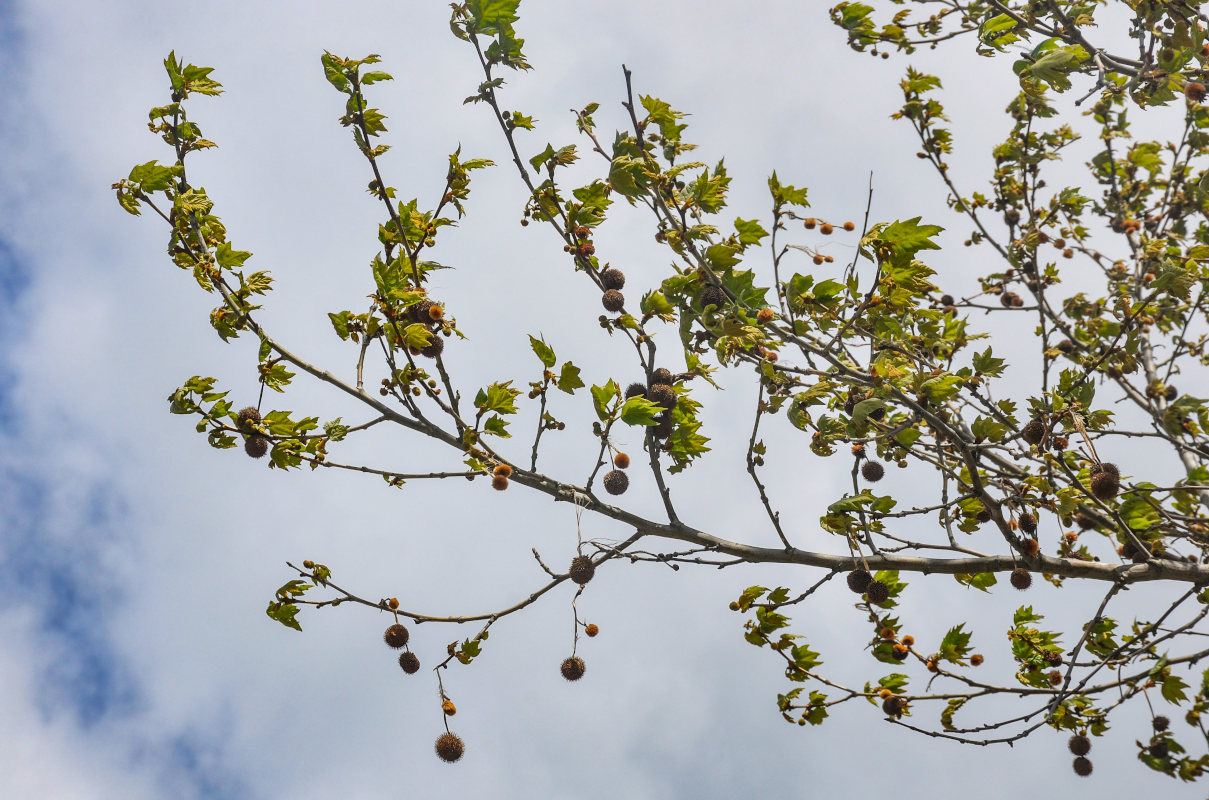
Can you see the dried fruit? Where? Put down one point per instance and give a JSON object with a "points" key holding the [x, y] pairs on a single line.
{"points": [[591, 630], [712, 296], [1033, 432], [1105, 481], [503, 469], [877, 592], [1082, 767], [612, 300], [499, 483], [582, 569], [1028, 523], [449, 708], [1030, 547], [409, 662], [621, 461], [765, 315], [873, 471], [572, 668], [976, 660], [893, 706], [616, 482], [662, 375], [1021, 578], [1160, 723], [1194, 91], [1079, 744], [449, 747], [612, 279], [396, 636], [635, 390], [663, 395], [248, 417], [859, 580], [256, 445]]}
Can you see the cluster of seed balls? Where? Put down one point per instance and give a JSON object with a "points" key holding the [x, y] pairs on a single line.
{"points": [[658, 390], [256, 444], [432, 314], [612, 281]]}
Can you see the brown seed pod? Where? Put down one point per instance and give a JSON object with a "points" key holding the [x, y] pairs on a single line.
{"points": [[947, 300], [765, 315], [248, 417], [1105, 485], [663, 395], [449, 747], [1082, 767], [396, 636], [893, 706], [612, 279], [1084, 522], [435, 346], [1158, 749], [662, 375], [616, 482], [877, 592], [859, 580], [591, 630], [1079, 744], [635, 390], [449, 708], [900, 652], [503, 469], [621, 461], [612, 300], [976, 660], [409, 662], [256, 445], [712, 296], [1021, 578], [1033, 432], [1028, 523], [572, 668], [1194, 91], [873, 471], [499, 483], [1160, 723], [663, 428], [582, 569], [1030, 547]]}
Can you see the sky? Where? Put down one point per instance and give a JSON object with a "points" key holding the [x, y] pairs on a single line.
{"points": [[137, 561]]}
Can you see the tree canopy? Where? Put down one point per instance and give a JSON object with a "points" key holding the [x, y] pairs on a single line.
{"points": [[1035, 470]]}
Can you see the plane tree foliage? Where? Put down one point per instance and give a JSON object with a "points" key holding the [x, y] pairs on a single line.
{"points": [[868, 364]]}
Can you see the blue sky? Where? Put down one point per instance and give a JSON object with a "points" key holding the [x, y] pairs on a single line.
{"points": [[138, 561]]}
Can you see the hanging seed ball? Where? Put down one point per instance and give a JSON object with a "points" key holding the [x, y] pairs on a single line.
{"points": [[256, 445], [435, 346], [1084, 522], [984, 515], [877, 592], [1170, 393], [1021, 578], [635, 390], [449, 747], [621, 461], [572, 668], [765, 315], [663, 395], [1158, 749], [947, 300], [420, 311], [1160, 723], [859, 580], [503, 469], [873, 471], [396, 636], [900, 652], [616, 482], [663, 429], [612, 279], [409, 662], [1066, 346], [1079, 744], [449, 708], [661, 375], [1082, 767], [248, 417], [893, 706], [436, 313], [591, 630], [712, 296], [612, 300], [582, 569], [499, 483], [976, 660], [1033, 432], [1194, 91], [1105, 482], [1030, 547], [1028, 523]]}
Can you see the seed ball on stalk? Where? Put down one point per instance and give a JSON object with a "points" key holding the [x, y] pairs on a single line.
{"points": [[396, 636], [635, 390], [612, 300], [1020, 578], [859, 580], [582, 569], [662, 395], [248, 417], [873, 471], [572, 668], [1033, 432], [663, 428], [1160, 723], [893, 706], [661, 375], [621, 461], [435, 346], [1030, 547], [1028, 523], [1105, 482], [449, 747], [256, 445], [877, 592], [616, 482], [1082, 767], [409, 662], [1194, 91], [712, 296], [612, 279], [1079, 744]]}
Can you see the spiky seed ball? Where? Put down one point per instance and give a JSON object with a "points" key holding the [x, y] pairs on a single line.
{"points": [[662, 394], [1084, 522], [591, 630], [612, 300], [1105, 466], [256, 445], [1105, 485], [712, 296], [572, 668], [873, 471], [1160, 723], [877, 592], [503, 469], [435, 346], [635, 390], [449, 708], [436, 313], [663, 429], [1079, 744], [661, 375], [765, 315], [1066, 346], [409, 662], [976, 660], [859, 580], [612, 279], [984, 515], [396, 636], [1054, 677], [582, 569], [393, 602], [419, 311], [1159, 749], [621, 461], [1028, 523], [1082, 767], [899, 652], [947, 300], [499, 483], [1194, 91], [1030, 547], [449, 747], [248, 417], [1033, 432], [887, 633], [1021, 578], [893, 706], [616, 482]]}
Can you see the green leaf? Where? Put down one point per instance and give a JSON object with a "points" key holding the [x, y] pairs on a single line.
{"points": [[498, 397], [909, 237], [985, 363], [334, 430], [152, 177], [640, 411], [229, 258], [955, 645], [1173, 689], [284, 613], [277, 377], [750, 232], [981, 580], [568, 378], [543, 351], [602, 397], [497, 426]]}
